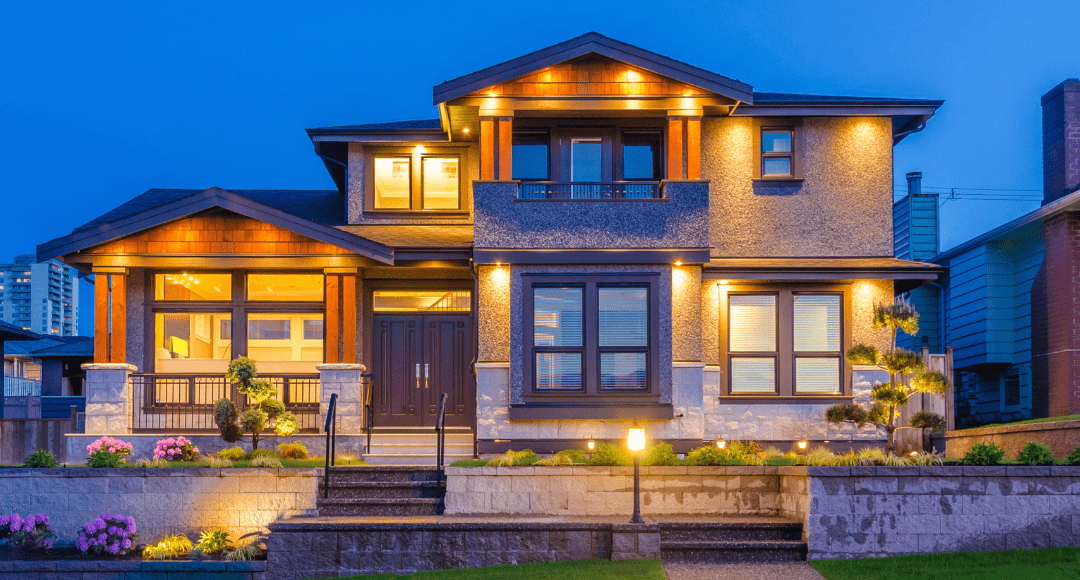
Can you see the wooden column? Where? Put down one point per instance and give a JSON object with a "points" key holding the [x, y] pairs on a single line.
{"points": [[331, 332], [693, 147], [101, 317], [675, 148], [506, 142], [348, 318], [487, 148], [118, 337]]}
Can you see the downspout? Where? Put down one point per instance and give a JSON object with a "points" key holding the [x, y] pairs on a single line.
{"points": [[897, 137], [476, 337]]}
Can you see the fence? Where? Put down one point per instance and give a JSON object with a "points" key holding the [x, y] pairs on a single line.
{"points": [[915, 439], [21, 437], [185, 403]]}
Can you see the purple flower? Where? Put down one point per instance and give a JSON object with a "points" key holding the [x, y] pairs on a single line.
{"points": [[101, 537], [126, 543], [99, 524], [114, 549]]}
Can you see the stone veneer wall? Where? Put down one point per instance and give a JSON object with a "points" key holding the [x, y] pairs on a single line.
{"points": [[163, 501], [131, 570], [1061, 436]]}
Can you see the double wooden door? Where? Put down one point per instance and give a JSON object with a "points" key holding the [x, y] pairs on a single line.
{"points": [[417, 357]]}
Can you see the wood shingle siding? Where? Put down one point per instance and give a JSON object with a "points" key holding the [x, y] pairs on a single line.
{"points": [[591, 76]]}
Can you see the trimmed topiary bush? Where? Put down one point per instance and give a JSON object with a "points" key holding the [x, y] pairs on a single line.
{"points": [[928, 420], [985, 453], [1036, 453]]}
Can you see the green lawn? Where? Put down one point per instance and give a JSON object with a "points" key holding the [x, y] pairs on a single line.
{"points": [[1046, 420], [1050, 564], [577, 570]]}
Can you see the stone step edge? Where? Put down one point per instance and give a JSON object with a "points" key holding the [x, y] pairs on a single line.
{"points": [[705, 526], [369, 501], [383, 484], [724, 545]]}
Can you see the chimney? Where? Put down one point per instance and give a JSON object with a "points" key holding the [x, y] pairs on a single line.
{"points": [[1061, 140], [914, 183]]}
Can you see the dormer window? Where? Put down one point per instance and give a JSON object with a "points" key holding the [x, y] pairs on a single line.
{"points": [[416, 179]]}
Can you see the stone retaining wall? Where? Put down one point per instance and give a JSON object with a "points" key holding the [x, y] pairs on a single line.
{"points": [[603, 491], [131, 570], [1061, 436], [855, 512], [162, 501]]}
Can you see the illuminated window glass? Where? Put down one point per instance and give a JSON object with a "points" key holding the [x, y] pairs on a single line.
{"points": [[441, 183], [393, 179], [422, 301], [192, 286], [285, 342], [285, 287], [186, 342]]}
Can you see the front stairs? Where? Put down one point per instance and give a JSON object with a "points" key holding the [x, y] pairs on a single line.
{"points": [[399, 446], [381, 491]]}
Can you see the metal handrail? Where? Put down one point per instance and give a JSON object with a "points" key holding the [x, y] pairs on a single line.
{"points": [[331, 442], [369, 408], [440, 436]]}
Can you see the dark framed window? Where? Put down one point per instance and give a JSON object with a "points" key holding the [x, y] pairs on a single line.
{"points": [[1013, 382], [393, 183], [441, 182], [415, 180], [590, 336], [642, 155], [778, 149], [786, 341], [531, 153]]}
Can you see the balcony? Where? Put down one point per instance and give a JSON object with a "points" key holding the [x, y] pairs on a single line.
{"points": [[617, 190]]}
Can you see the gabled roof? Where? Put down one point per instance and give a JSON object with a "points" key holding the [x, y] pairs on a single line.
{"points": [[65, 346], [12, 332], [157, 207], [593, 43], [1068, 202]]}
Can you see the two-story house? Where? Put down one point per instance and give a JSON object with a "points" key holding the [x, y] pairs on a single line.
{"points": [[587, 235]]}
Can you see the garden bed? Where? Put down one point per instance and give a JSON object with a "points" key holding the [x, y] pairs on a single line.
{"points": [[1061, 436]]}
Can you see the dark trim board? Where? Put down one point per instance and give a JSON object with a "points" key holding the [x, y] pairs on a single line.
{"points": [[553, 411]]}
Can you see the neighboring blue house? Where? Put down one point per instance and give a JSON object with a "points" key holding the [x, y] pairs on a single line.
{"points": [[1011, 296]]}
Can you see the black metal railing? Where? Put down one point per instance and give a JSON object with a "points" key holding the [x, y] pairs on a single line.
{"points": [[440, 436], [369, 407], [331, 442], [600, 191], [171, 403]]}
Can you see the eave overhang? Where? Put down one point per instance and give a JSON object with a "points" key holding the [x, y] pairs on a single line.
{"points": [[12, 332], [213, 197], [905, 274], [564, 256]]}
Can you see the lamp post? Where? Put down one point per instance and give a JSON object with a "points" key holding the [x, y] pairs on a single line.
{"points": [[591, 445], [635, 441]]}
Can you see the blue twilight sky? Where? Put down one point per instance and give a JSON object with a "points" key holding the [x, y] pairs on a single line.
{"points": [[101, 101]]}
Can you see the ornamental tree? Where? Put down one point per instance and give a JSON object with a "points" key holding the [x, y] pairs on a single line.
{"points": [[899, 363], [264, 412]]}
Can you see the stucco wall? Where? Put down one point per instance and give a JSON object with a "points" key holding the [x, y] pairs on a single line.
{"points": [[843, 207], [681, 220], [686, 313], [493, 316]]}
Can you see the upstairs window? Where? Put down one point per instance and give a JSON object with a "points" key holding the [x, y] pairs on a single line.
{"points": [[531, 158], [416, 179], [777, 156], [642, 155], [393, 183], [441, 183]]}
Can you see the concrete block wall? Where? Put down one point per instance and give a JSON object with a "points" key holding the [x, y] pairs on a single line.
{"points": [[163, 501]]}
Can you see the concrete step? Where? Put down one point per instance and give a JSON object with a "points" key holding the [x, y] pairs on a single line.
{"points": [[345, 475], [407, 459], [733, 551], [385, 490], [730, 532], [418, 506], [381, 448]]}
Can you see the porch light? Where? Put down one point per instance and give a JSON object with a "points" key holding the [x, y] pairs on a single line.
{"points": [[720, 443], [802, 444], [678, 263], [465, 130], [635, 441]]}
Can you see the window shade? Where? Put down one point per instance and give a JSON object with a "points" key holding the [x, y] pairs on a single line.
{"points": [[817, 375], [753, 375], [624, 316], [622, 370], [817, 323], [752, 324], [558, 370], [557, 317]]}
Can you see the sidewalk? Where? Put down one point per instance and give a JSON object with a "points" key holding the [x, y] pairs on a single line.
{"points": [[781, 570]]}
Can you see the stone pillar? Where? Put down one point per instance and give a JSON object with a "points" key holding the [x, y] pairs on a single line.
{"points": [[108, 398], [345, 381]]}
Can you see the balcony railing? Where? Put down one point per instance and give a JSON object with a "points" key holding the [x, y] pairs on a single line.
{"points": [[614, 190], [21, 387], [185, 403]]}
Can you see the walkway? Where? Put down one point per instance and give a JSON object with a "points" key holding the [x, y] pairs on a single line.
{"points": [[781, 570]]}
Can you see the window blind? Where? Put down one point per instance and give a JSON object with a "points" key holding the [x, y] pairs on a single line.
{"points": [[752, 324], [558, 370], [624, 316], [753, 375], [557, 317], [817, 323], [817, 375]]}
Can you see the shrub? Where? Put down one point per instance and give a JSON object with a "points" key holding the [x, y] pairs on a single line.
{"points": [[608, 454], [817, 456], [294, 450], [232, 454], [985, 453], [871, 456], [862, 354], [245, 552], [33, 533], [213, 542], [575, 455], [176, 449], [170, 548], [1074, 457], [40, 458], [501, 461], [928, 420], [107, 452], [143, 462], [108, 535], [1036, 453], [659, 454], [266, 461], [523, 454], [853, 413], [554, 460], [926, 459], [225, 417], [706, 455], [257, 453]]}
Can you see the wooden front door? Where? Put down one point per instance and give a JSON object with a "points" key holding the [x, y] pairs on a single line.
{"points": [[417, 357]]}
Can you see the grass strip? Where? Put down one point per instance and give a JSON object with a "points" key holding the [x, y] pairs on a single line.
{"points": [[1047, 564]]}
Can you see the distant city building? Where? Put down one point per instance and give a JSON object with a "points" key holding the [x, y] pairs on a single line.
{"points": [[40, 297]]}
